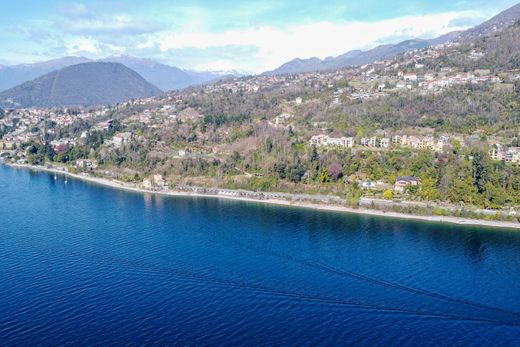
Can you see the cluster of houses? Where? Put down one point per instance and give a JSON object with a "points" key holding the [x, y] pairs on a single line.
{"points": [[400, 184], [391, 74], [258, 83], [422, 142], [441, 144], [16, 138], [444, 79], [501, 153], [60, 118], [417, 142]]}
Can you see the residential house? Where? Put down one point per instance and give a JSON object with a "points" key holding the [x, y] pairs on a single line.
{"points": [[341, 142], [61, 145], [404, 181], [85, 164], [187, 152], [155, 182], [319, 140], [147, 184], [159, 182], [426, 142], [282, 118], [121, 139], [369, 142], [368, 185], [106, 125], [410, 77], [512, 155], [439, 146], [7, 144], [413, 142], [324, 140], [497, 153]]}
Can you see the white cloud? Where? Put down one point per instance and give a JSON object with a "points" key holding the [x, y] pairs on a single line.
{"points": [[77, 18], [120, 23], [190, 40], [81, 46], [277, 45], [91, 48], [217, 65]]}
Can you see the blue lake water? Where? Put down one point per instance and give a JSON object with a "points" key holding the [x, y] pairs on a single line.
{"points": [[82, 264]]}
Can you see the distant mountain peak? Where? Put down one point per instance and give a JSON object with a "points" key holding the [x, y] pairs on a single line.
{"points": [[62, 62], [86, 84], [129, 59]]}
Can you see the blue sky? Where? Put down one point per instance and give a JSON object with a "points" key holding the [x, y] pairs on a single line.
{"points": [[251, 36]]}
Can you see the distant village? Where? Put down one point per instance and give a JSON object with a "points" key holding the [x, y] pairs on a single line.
{"points": [[439, 145], [24, 125], [379, 78]]}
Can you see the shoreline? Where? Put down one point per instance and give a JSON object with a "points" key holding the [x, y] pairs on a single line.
{"points": [[331, 208]]}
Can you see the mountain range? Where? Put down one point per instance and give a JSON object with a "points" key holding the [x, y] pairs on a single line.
{"points": [[73, 81], [163, 76], [503, 19], [85, 84], [351, 58], [357, 57]]}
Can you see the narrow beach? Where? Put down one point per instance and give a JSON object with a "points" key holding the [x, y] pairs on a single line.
{"points": [[335, 208]]}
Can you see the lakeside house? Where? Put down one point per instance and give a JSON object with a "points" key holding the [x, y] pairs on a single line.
{"points": [[62, 145], [85, 164], [404, 181], [155, 182]]}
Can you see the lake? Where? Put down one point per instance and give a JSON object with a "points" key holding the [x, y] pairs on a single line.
{"points": [[83, 264]]}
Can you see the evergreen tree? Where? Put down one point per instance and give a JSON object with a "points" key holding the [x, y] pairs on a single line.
{"points": [[480, 174]]}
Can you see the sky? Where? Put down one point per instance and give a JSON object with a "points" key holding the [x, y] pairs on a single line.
{"points": [[224, 35]]}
